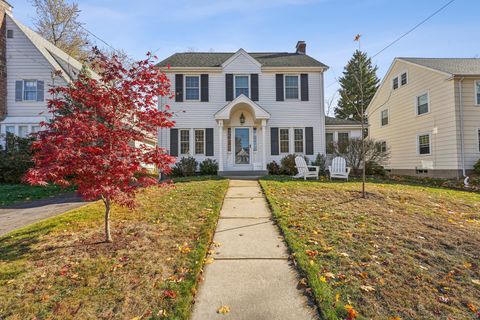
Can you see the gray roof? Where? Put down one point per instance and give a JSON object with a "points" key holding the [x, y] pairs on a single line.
{"points": [[453, 66], [340, 122], [216, 59]]}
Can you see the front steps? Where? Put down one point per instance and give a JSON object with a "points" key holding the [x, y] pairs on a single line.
{"points": [[243, 174]]}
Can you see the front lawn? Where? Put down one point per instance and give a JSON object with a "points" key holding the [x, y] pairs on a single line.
{"points": [[405, 252], [12, 193], [59, 269]]}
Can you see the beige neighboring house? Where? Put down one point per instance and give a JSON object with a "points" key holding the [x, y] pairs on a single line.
{"points": [[427, 110]]}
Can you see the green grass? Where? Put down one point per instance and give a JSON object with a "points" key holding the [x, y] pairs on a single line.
{"points": [[408, 251], [60, 269], [13, 193]]}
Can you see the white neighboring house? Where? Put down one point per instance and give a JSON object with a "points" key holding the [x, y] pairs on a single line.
{"points": [[246, 109], [427, 110]]}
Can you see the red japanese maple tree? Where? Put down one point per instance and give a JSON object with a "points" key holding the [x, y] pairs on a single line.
{"points": [[90, 143]]}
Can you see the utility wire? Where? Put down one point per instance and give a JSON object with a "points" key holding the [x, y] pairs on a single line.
{"points": [[106, 43]]}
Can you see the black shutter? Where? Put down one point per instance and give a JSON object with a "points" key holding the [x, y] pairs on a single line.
{"points": [[209, 142], [274, 141], [229, 87], [309, 140], [40, 90], [304, 86], [204, 87], [279, 81], [19, 90], [174, 142], [254, 86], [178, 87]]}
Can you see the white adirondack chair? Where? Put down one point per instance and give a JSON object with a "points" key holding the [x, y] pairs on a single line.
{"points": [[339, 168], [304, 170]]}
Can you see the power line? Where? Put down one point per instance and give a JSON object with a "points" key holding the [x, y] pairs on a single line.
{"points": [[106, 43]]}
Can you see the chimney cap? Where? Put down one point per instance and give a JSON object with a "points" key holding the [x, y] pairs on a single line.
{"points": [[301, 47]]}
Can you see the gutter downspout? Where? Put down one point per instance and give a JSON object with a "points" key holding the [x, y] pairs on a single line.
{"points": [[462, 138]]}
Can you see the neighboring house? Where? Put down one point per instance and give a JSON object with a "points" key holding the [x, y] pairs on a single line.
{"points": [[339, 132], [246, 109], [427, 110]]}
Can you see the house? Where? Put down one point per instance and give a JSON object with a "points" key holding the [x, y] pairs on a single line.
{"points": [[246, 109], [427, 111]]}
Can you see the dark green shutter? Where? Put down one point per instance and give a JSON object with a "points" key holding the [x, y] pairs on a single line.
{"points": [[279, 86], [19, 90], [229, 87], [304, 86], [204, 87], [254, 86], [40, 90], [179, 88], [309, 140], [274, 142], [174, 142], [209, 142]]}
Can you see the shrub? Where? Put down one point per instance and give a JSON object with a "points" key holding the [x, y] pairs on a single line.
{"points": [[15, 158], [476, 167], [321, 161], [209, 167], [273, 168], [186, 167], [287, 164], [374, 169]]}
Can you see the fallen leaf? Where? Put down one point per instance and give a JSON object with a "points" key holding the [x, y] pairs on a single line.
{"points": [[472, 307], [344, 254], [443, 299], [367, 288], [169, 294], [209, 260], [311, 253], [323, 279], [394, 318], [337, 297], [351, 313], [476, 281], [223, 310], [329, 275]]}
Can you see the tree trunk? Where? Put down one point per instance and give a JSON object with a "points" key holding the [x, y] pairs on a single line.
{"points": [[108, 236]]}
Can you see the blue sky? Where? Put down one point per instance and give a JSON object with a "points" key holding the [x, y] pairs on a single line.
{"points": [[328, 27]]}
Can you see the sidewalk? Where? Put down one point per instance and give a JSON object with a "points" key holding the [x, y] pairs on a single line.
{"points": [[251, 273]]}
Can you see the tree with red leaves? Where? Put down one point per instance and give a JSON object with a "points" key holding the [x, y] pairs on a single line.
{"points": [[90, 143]]}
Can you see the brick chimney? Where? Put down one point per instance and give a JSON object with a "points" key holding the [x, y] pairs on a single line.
{"points": [[4, 7], [301, 47]]}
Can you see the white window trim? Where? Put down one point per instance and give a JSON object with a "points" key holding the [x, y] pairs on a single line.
{"points": [[185, 88], [428, 101], [36, 90], [303, 140], [280, 141], [475, 90], [195, 142], [180, 142], [388, 118], [429, 144], [235, 84], [386, 146], [285, 87]]}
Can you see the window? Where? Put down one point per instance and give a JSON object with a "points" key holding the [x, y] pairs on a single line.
{"points": [[199, 141], [298, 140], [229, 140], [478, 136], [184, 141], [395, 83], [254, 139], [384, 117], [477, 92], [10, 129], [22, 131], [343, 138], [9, 33], [284, 141], [403, 78], [192, 88], [422, 104], [241, 86], [382, 146], [291, 87], [424, 144], [35, 129], [30, 90], [329, 142]]}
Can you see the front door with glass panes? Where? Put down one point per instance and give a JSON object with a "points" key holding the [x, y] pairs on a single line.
{"points": [[242, 146]]}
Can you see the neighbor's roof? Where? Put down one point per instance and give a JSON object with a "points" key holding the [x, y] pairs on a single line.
{"points": [[340, 122], [453, 66], [216, 59]]}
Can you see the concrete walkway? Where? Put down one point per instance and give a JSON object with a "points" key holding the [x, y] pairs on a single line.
{"points": [[22, 214], [251, 273]]}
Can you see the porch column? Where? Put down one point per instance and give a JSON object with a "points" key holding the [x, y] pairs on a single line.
{"points": [[264, 146], [220, 145]]}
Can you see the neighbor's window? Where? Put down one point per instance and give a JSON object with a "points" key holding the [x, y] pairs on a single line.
{"points": [[184, 141], [477, 92], [424, 144], [329, 142], [298, 140], [229, 140], [10, 129], [382, 146], [422, 104], [395, 83], [192, 88], [403, 78], [35, 129], [30, 90], [9, 33], [291, 87], [241, 85], [343, 138], [384, 117], [22, 131], [199, 141], [284, 141]]}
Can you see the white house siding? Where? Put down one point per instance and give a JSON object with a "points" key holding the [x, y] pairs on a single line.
{"points": [[404, 125]]}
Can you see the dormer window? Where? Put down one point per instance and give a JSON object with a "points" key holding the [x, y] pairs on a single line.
{"points": [[192, 88], [291, 87], [241, 86]]}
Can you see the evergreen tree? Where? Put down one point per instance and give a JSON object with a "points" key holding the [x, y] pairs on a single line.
{"points": [[359, 76]]}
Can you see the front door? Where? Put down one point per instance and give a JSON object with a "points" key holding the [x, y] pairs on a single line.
{"points": [[242, 146]]}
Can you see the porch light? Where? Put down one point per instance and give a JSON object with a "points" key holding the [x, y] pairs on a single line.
{"points": [[242, 119]]}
